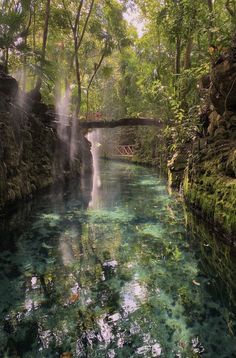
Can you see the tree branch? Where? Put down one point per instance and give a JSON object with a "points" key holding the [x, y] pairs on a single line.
{"points": [[44, 45], [94, 74], [86, 23], [68, 16], [97, 68], [77, 19]]}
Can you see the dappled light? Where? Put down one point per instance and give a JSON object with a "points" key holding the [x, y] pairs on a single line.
{"points": [[117, 178], [119, 279]]}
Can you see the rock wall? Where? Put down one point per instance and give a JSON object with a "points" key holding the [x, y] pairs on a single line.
{"points": [[209, 182], [31, 155]]}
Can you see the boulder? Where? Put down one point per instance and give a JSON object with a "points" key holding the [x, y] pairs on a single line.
{"points": [[8, 84], [223, 88], [217, 99], [214, 118], [219, 131], [232, 121], [231, 164], [205, 82], [176, 166], [34, 95]]}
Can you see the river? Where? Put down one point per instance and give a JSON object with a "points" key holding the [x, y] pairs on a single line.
{"points": [[115, 273]]}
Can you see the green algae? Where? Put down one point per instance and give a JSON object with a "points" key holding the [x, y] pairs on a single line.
{"points": [[118, 215], [215, 197], [124, 278]]}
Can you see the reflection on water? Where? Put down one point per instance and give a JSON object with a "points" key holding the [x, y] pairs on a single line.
{"points": [[124, 278], [93, 137]]}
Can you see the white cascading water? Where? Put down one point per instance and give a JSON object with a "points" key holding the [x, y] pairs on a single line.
{"points": [[21, 95], [63, 110], [73, 138], [93, 137]]}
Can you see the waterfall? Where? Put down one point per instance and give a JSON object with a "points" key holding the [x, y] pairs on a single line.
{"points": [[64, 115], [73, 138], [93, 137], [63, 110]]}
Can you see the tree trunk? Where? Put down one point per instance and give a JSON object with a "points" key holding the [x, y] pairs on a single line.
{"points": [[25, 55], [231, 8], [44, 45], [187, 58], [178, 55], [34, 28], [94, 75], [77, 45], [211, 21], [24, 68], [78, 78]]}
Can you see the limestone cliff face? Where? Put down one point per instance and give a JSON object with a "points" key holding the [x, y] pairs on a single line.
{"points": [[210, 176], [31, 155]]}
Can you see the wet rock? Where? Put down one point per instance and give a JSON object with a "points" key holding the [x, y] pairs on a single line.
{"points": [[34, 95], [223, 88], [32, 157], [209, 183], [219, 131], [217, 100], [8, 85], [231, 164], [39, 108], [176, 167], [232, 121], [214, 123], [227, 115], [205, 82], [222, 122]]}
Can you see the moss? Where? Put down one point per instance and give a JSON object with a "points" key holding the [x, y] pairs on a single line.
{"points": [[215, 197], [29, 156], [231, 163], [216, 256]]}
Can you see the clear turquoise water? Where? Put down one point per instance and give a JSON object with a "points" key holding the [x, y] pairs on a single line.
{"points": [[122, 277]]}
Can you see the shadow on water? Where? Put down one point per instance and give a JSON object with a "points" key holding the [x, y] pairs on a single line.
{"points": [[122, 278], [217, 263]]}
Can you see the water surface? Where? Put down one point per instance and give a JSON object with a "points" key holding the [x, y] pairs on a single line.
{"points": [[115, 274]]}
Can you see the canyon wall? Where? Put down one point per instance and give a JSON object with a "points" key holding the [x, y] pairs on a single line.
{"points": [[32, 156]]}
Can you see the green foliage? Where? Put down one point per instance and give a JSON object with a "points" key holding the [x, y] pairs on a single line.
{"points": [[152, 75], [11, 23]]}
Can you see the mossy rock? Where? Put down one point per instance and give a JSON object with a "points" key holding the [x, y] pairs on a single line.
{"points": [[231, 164], [214, 197], [29, 155]]}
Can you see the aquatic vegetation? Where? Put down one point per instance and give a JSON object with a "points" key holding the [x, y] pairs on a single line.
{"points": [[127, 279], [117, 215]]}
